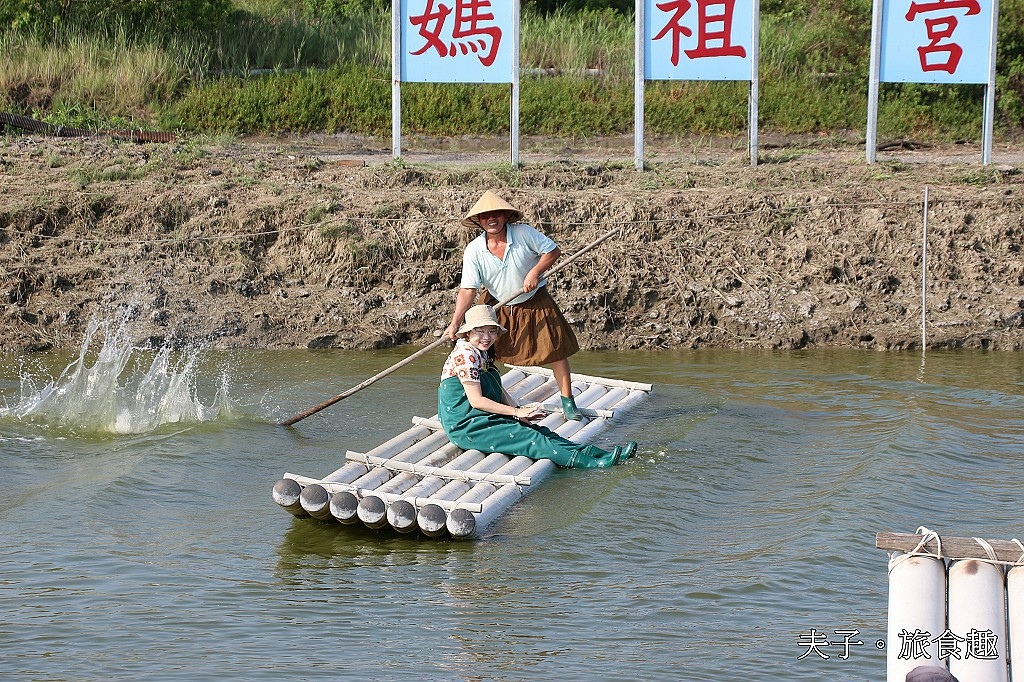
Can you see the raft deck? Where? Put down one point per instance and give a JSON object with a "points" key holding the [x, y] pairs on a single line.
{"points": [[421, 481], [955, 603]]}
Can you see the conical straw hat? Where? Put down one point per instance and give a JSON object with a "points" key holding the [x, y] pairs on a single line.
{"points": [[491, 202]]}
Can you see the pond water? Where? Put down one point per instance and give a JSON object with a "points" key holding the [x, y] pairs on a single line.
{"points": [[140, 540]]}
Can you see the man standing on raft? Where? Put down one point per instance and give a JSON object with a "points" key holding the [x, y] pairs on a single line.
{"points": [[509, 257]]}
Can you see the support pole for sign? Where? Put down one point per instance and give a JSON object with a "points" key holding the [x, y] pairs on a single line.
{"points": [[638, 86], [924, 272], [990, 90], [396, 78], [986, 131], [514, 123], [871, 143], [755, 59]]}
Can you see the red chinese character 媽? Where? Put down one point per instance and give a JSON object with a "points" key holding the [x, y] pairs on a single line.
{"points": [[470, 15], [468, 33], [430, 25]]}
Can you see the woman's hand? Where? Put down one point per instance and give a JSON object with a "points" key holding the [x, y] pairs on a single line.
{"points": [[528, 413]]}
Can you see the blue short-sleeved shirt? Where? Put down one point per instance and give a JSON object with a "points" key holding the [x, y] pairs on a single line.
{"points": [[504, 277]]}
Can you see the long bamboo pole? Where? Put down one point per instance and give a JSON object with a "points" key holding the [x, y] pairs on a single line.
{"points": [[426, 349]]}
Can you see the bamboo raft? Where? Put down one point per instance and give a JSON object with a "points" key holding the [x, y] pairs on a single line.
{"points": [[955, 603], [420, 481]]}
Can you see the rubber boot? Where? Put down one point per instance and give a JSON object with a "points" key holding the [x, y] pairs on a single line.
{"points": [[587, 460], [569, 409], [625, 452]]}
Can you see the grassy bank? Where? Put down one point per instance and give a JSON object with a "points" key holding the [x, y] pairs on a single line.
{"points": [[269, 66]]}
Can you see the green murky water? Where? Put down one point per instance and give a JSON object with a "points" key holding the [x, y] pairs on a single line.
{"points": [[136, 546]]}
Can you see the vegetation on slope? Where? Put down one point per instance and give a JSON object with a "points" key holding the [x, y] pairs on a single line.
{"points": [[272, 66]]}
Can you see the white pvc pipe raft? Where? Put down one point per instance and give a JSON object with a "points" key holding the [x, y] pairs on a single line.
{"points": [[1015, 620], [372, 508], [418, 481], [432, 517], [917, 603], [961, 599], [402, 512], [976, 604], [316, 500]]}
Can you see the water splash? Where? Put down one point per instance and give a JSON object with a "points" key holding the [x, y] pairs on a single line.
{"points": [[116, 393]]}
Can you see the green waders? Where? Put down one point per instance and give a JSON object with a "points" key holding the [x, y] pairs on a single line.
{"points": [[473, 429]]}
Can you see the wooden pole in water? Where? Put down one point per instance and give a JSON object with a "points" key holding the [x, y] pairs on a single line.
{"points": [[924, 273], [438, 342], [952, 547]]}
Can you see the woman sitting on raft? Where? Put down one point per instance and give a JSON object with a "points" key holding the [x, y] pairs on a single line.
{"points": [[477, 413]]}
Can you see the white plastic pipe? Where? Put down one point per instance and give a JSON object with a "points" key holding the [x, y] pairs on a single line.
{"points": [[431, 518], [462, 522], [401, 514], [976, 603], [372, 509], [917, 603], [496, 504], [471, 524], [346, 507]]}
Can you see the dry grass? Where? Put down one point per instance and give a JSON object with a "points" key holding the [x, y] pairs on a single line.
{"points": [[117, 75]]}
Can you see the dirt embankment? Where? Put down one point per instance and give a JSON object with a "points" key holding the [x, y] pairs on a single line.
{"points": [[276, 244]]}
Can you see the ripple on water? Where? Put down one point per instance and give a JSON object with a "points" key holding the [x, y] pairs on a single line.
{"points": [[747, 519]]}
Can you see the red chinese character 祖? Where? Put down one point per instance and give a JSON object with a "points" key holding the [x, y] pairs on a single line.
{"points": [[468, 33], [939, 29], [714, 28]]}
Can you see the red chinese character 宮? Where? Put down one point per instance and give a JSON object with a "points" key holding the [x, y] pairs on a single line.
{"points": [[916, 8], [938, 30], [937, 55]]}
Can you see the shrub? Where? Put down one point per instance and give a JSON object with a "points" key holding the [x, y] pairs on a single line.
{"points": [[41, 16]]}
